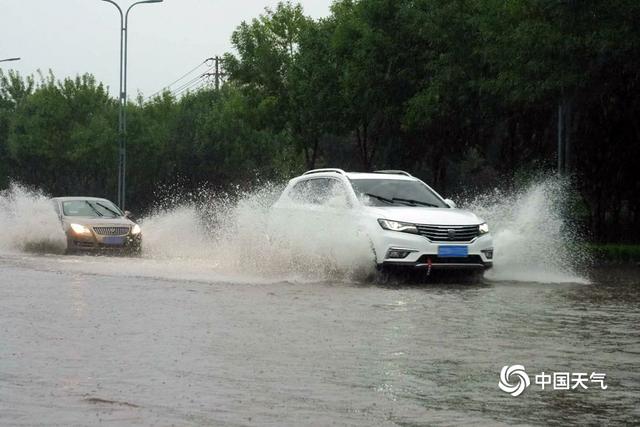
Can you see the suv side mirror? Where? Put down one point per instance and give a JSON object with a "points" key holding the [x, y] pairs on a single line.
{"points": [[450, 203], [127, 214]]}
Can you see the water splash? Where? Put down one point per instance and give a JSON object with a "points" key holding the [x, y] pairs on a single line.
{"points": [[532, 239], [237, 235], [28, 222]]}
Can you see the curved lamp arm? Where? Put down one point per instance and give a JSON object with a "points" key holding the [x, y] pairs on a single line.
{"points": [[136, 3], [126, 36], [119, 10]]}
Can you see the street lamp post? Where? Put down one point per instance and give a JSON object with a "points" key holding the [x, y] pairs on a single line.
{"points": [[9, 59], [122, 116]]}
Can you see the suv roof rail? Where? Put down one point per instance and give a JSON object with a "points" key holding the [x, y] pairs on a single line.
{"points": [[394, 172], [335, 170]]}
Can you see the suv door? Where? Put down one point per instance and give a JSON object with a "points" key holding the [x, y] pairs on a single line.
{"points": [[309, 202], [295, 213]]}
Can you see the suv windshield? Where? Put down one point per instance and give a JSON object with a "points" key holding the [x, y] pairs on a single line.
{"points": [[91, 208], [395, 192]]}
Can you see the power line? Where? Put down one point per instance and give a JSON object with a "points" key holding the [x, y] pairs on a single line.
{"points": [[194, 85], [204, 85], [188, 89], [188, 84], [214, 70], [188, 73]]}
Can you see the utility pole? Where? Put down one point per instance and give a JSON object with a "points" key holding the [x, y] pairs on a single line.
{"points": [[9, 59], [218, 73]]}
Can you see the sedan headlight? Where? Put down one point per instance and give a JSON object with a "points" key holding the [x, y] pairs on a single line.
{"points": [[80, 229], [483, 228], [388, 224], [136, 230]]}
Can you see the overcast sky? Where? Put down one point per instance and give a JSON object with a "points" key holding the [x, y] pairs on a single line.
{"points": [[166, 40]]}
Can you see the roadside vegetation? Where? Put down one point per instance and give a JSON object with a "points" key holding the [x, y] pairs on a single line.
{"points": [[615, 253], [460, 92]]}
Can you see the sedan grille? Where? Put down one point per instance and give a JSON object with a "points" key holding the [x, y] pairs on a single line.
{"points": [[111, 231], [449, 233]]}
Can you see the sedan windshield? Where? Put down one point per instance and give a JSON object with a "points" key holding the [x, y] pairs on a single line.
{"points": [[91, 208], [395, 192]]}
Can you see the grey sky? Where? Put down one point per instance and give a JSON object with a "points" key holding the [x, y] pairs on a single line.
{"points": [[165, 40]]}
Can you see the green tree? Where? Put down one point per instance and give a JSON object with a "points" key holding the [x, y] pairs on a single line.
{"points": [[267, 51], [13, 90], [316, 104], [61, 136]]}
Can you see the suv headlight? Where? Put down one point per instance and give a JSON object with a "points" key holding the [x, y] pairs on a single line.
{"points": [[405, 227], [80, 229], [136, 230], [483, 228]]}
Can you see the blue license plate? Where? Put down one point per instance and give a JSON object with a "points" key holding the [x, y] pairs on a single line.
{"points": [[453, 251], [113, 240]]}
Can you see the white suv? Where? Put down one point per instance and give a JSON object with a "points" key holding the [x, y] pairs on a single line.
{"points": [[406, 222]]}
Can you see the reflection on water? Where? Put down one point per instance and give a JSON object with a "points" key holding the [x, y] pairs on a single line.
{"points": [[154, 350]]}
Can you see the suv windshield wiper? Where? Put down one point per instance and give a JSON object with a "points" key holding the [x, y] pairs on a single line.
{"points": [[93, 208], [381, 198], [415, 202], [116, 214]]}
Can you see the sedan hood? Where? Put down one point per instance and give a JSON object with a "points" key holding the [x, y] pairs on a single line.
{"points": [[424, 215]]}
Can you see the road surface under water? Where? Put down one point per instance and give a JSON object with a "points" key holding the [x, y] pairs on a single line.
{"points": [[87, 340]]}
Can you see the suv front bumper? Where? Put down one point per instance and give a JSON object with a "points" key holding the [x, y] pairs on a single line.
{"points": [[423, 253]]}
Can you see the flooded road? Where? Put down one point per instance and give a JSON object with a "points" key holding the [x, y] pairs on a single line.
{"points": [[86, 340]]}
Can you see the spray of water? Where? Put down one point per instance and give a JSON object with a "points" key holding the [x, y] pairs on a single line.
{"points": [[532, 239], [241, 234], [238, 237], [28, 222]]}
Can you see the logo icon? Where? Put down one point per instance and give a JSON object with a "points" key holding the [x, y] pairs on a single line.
{"points": [[451, 233], [521, 380]]}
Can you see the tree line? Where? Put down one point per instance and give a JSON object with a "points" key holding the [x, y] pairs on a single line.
{"points": [[466, 94]]}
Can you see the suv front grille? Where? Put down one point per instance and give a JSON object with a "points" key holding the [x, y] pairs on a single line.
{"points": [[449, 233], [111, 231]]}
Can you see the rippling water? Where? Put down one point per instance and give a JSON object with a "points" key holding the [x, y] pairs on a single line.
{"points": [[83, 342]]}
